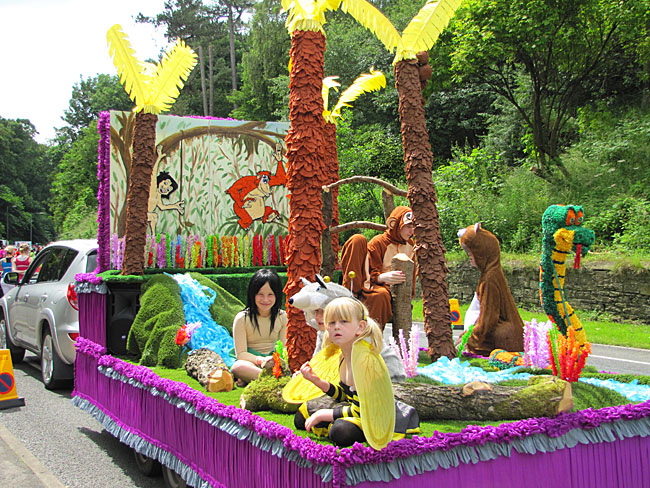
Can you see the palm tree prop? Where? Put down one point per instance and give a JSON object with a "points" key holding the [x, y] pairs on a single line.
{"points": [[420, 35], [367, 82], [153, 88], [305, 154]]}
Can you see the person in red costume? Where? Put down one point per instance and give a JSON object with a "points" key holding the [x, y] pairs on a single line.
{"points": [[370, 262]]}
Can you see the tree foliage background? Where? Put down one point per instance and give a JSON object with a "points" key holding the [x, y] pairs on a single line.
{"points": [[531, 103]]}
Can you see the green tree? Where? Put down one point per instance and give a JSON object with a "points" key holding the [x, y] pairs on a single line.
{"points": [[89, 98], [74, 152], [75, 184], [266, 58], [216, 25], [546, 58], [24, 188]]}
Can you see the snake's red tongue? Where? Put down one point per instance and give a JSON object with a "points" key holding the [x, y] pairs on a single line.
{"points": [[576, 261]]}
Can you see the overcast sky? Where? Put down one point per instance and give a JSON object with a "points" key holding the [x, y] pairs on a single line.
{"points": [[46, 46]]}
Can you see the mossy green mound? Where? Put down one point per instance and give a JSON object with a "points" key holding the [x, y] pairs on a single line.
{"points": [[152, 338]]}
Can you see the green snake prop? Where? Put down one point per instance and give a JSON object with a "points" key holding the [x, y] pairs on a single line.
{"points": [[562, 232]]}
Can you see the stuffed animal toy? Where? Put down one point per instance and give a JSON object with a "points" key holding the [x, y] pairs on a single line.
{"points": [[316, 295]]}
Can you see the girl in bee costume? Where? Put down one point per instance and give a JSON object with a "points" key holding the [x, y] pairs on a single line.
{"points": [[349, 369]]}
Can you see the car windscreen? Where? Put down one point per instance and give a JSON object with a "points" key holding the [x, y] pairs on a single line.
{"points": [[91, 261]]}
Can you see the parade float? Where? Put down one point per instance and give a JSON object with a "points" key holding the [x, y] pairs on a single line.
{"points": [[210, 196]]}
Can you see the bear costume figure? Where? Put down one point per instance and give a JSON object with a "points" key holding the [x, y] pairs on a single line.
{"points": [[498, 325]]}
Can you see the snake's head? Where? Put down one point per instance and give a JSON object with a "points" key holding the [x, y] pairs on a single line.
{"points": [[564, 222]]}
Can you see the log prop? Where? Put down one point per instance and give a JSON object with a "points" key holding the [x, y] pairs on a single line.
{"points": [[208, 368], [544, 396], [401, 296]]}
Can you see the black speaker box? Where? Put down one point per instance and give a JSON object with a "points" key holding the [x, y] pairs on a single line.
{"points": [[122, 306]]}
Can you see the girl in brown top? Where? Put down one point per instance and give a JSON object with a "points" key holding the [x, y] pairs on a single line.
{"points": [[371, 263], [259, 326]]}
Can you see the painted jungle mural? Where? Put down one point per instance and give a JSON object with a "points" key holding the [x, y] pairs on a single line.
{"points": [[211, 176]]}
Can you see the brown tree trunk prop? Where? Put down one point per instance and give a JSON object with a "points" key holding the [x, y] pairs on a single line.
{"points": [[358, 224], [202, 363], [543, 397], [329, 261], [305, 154], [430, 252], [388, 202], [366, 179], [401, 295], [135, 234], [331, 169]]}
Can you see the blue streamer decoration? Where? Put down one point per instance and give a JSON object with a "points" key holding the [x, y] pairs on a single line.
{"points": [[196, 305]]}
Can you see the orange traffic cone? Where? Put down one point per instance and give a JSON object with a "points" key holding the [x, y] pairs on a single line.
{"points": [[8, 396]]}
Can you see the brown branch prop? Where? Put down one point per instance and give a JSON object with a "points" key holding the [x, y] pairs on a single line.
{"points": [[366, 179]]}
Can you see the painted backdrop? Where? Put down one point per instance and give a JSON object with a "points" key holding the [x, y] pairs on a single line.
{"points": [[212, 176]]}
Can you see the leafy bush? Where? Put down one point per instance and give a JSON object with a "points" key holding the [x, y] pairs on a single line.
{"points": [[610, 173], [474, 188]]}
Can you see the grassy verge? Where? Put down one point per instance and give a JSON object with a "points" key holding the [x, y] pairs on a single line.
{"points": [[599, 330]]}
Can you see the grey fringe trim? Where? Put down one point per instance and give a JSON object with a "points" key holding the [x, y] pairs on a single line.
{"points": [[142, 446]]}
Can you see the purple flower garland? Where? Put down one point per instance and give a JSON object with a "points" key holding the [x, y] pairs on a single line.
{"points": [[472, 435], [104, 191]]}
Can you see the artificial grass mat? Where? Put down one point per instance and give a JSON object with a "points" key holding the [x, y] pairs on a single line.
{"points": [[584, 396]]}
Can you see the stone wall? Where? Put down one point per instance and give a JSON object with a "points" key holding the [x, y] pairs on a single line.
{"points": [[624, 294]]}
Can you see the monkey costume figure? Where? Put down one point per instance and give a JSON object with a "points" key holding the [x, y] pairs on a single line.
{"points": [[371, 263], [498, 325]]}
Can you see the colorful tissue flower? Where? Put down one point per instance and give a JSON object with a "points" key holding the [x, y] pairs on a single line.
{"points": [[185, 332], [277, 365]]}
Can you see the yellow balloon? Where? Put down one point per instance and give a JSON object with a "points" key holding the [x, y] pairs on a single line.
{"points": [[352, 275]]}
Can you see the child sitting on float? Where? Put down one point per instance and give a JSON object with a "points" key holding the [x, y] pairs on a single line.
{"points": [[259, 326], [312, 300], [370, 412]]}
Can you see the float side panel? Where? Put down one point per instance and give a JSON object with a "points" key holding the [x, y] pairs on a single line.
{"points": [[217, 457]]}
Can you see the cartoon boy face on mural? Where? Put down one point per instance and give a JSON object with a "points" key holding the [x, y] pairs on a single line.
{"points": [[163, 187]]}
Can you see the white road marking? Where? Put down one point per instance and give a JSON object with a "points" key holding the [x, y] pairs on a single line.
{"points": [[619, 359]]}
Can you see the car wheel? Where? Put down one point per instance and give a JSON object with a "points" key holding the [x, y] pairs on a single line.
{"points": [[172, 478], [53, 369], [146, 465], [17, 353]]}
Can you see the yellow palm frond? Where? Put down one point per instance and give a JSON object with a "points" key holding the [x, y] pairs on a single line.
{"points": [[307, 15], [372, 19], [424, 29], [367, 82], [174, 67], [128, 67], [329, 82]]}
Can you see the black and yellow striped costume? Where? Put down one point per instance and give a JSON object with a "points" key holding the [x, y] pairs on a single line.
{"points": [[349, 406]]}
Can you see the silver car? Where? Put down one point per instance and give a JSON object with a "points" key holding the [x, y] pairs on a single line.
{"points": [[40, 313]]}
